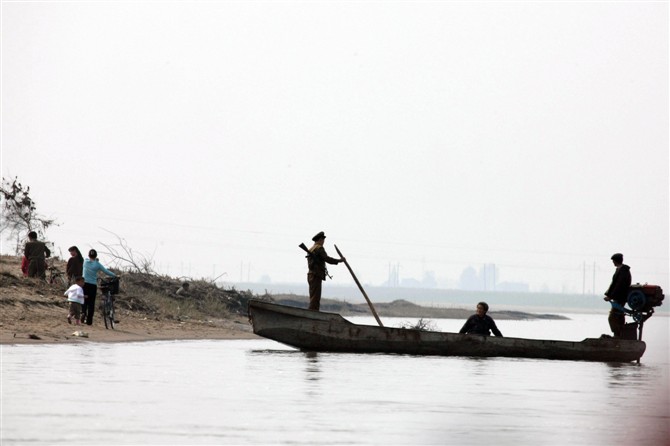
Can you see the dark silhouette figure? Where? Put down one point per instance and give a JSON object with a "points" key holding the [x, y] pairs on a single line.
{"points": [[617, 295]]}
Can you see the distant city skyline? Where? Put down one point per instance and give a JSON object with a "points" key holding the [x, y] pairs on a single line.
{"points": [[471, 279]]}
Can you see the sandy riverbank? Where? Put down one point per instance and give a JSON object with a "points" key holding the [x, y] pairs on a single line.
{"points": [[22, 323], [32, 311]]}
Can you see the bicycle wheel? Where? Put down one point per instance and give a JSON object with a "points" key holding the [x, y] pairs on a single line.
{"points": [[111, 312], [105, 310], [62, 280]]}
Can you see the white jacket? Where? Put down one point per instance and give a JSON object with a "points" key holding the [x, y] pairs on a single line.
{"points": [[75, 294]]}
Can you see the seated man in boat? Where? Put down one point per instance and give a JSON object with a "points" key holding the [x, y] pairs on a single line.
{"points": [[480, 323], [617, 295], [316, 262]]}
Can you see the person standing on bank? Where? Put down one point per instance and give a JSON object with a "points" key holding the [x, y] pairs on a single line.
{"points": [[480, 323], [617, 295], [91, 268], [75, 265], [36, 253], [316, 262]]}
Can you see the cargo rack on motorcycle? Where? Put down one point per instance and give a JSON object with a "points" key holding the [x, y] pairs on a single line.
{"points": [[641, 299]]}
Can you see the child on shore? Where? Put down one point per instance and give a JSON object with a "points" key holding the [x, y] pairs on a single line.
{"points": [[75, 295]]}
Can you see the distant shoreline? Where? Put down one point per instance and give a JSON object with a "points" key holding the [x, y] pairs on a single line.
{"points": [[531, 302], [402, 308]]}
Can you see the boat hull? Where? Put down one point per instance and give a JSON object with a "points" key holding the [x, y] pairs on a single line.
{"points": [[329, 332]]}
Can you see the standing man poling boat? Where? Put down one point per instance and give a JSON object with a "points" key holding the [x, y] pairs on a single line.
{"points": [[316, 262]]}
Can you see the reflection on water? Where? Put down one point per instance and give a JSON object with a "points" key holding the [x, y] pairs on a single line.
{"points": [[630, 375], [312, 370], [260, 392]]}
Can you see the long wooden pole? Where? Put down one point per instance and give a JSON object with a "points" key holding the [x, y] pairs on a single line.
{"points": [[360, 287]]}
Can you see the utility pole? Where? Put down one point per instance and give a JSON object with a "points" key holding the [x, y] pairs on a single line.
{"points": [[594, 277]]}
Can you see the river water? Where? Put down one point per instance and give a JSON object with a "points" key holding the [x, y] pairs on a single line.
{"points": [[261, 392]]}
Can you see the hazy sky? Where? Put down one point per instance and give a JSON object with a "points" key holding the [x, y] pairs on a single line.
{"points": [[217, 136]]}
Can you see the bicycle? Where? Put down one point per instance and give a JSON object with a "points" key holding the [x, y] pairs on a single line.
{"points": [[55, 276], [108, 287]]}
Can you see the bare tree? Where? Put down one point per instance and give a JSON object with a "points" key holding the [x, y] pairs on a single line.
{"points": [[19, 213], [124, 257]]}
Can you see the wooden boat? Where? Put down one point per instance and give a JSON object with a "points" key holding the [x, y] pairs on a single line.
{"points": [[329, 332]]}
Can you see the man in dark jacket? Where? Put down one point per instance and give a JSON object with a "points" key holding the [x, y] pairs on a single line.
{"points": [[480, 323], [617, 295], [316, 262], [36, 251]]}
